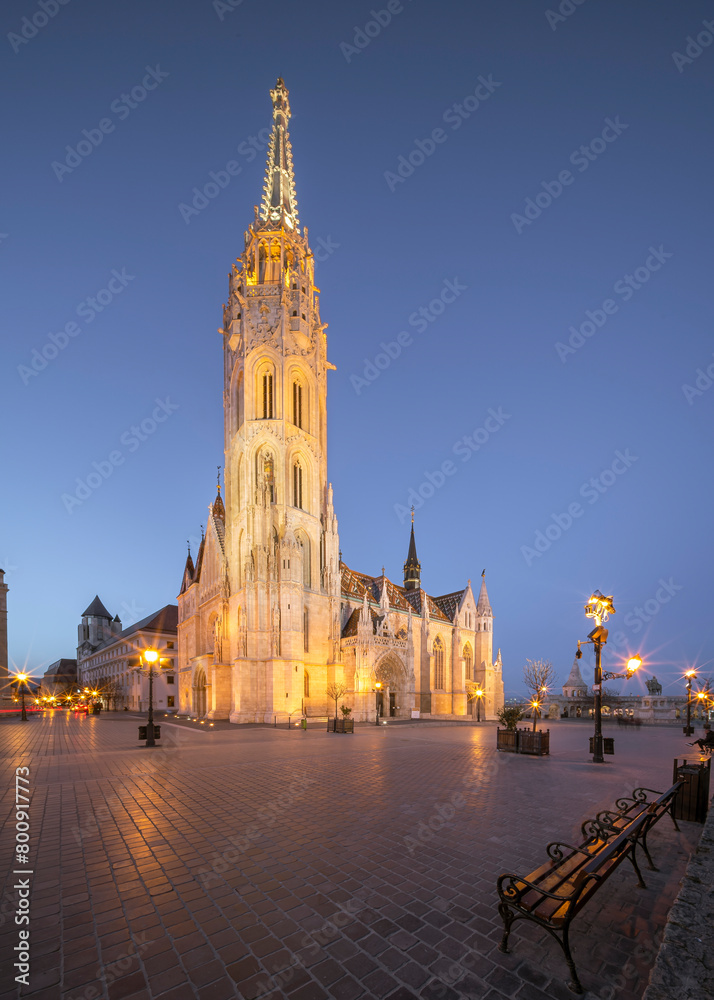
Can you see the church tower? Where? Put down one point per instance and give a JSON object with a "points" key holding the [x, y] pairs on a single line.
{"points": [[281, 631]]}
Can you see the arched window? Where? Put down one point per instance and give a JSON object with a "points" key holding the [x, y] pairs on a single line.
{"points": [[468, 662], [297, 404], [297, 485], [306, 684], [438, 664], [267, 395]]}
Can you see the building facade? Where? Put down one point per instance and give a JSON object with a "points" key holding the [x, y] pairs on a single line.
{"points": [[109, 658], [269, 615], [577, 702]]}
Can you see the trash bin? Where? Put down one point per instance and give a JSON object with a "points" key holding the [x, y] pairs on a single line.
{"points": [[608, 744], [142, 732], [692, 800]]}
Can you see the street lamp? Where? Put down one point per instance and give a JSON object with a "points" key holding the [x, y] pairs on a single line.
{"points": [[479, 696], [690, 675], [378, 688], [599, 607], [150, 656], [21, 680]]}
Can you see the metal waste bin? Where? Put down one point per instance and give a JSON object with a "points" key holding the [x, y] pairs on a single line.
{"points": [[692, 800], [608, 744]]}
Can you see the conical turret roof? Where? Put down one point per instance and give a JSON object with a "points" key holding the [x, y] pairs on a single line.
{"points": [[575, 678], [483, 605], [96, 610]]}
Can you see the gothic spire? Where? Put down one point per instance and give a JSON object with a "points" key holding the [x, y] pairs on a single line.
{"points": [[279, 204], [412, 567], [218, 509], [483, 605]]}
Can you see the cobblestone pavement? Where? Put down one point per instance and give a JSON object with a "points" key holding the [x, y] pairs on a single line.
{"points": [[245, 863]]}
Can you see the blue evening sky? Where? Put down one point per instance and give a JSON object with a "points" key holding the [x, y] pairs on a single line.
{"points": [[516, 94]]}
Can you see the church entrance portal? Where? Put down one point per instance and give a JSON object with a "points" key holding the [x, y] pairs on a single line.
{"points": [[392, 699]]}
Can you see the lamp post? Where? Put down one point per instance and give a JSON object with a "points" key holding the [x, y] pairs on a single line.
{"points": [[690, 675], [378, 689], [479, 696], [150, 657], [21, 680], [600, 608]]}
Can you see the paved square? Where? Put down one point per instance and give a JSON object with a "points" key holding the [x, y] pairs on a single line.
{"points": [[234, 862]]}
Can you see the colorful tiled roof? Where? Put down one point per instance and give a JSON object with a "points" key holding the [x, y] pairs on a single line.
{"points": [[356, 585]]}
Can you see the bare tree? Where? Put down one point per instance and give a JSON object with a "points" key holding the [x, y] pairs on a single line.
{"points": [[539, 676], [335, 690]]}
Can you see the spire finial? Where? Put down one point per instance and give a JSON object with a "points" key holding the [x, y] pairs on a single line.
{"points": [[412, 513], [483, 574], [279, 203], [201, 532], [189, 546], [219, 479]]}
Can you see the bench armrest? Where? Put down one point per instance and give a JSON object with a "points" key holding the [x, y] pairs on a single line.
{"points": [[555, 853], [512, 891]]}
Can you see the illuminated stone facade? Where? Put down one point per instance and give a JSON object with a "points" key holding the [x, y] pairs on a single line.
{"points": [[269, 616]]}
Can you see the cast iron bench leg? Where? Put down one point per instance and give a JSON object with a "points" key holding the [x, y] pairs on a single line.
{"points": [[574, 985], [633, 861], [508, 919]]}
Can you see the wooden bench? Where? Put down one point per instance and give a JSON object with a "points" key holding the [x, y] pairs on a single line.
{"points": [[554, 893], [609, 822]]}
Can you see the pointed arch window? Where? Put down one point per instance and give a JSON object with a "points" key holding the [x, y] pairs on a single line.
{"points": [[267, 395], [468, 662], [297, 485], [438, 664], [306, 684], [297, 403]]}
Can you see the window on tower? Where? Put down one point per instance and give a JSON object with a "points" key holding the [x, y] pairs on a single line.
{"points": [[297, 485], [267, 395], [297, 404]]}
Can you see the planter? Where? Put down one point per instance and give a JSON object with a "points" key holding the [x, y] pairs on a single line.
{"points": [[507, 740], [523, 741], [340, 725]]}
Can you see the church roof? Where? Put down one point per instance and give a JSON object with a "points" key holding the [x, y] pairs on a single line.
{"points": [[96, 610], [279, 204], [356, 584], [450, 603], [575, 678]]}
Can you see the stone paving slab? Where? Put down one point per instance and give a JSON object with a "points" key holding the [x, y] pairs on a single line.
{"points": [[274, 863]]}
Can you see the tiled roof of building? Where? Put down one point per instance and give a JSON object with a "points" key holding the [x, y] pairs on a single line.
{"points": [[356, 584], [96, 610], [62, 668], [165, 620], [450, 603]]}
